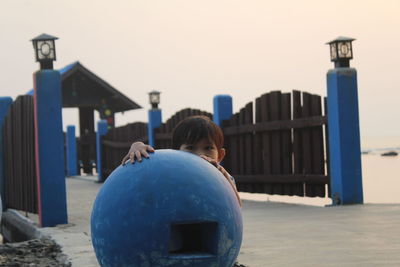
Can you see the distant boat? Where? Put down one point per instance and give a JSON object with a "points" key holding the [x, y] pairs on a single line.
{"points": [[389, 154]]}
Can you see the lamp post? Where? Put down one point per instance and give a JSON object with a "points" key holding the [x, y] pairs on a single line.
{"points": [[49, 137], [45, 50], [154, 99], [154, 115], [341, 51], [343, 126]]}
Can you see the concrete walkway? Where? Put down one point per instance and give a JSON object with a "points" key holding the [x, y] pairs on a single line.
{"points": [[75, 236], [275, 234], [295, 235]]}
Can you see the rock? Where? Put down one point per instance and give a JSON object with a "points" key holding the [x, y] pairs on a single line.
{"points": [[239, 265], [389, 154]]}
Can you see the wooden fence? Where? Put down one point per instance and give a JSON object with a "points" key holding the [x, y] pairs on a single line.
{"points": [[19, 150], [116, 143], [279, 148]]}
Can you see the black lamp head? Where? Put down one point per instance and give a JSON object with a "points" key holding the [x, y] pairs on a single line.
{"points": [[341, 51], [45, 50], [154, 99]]}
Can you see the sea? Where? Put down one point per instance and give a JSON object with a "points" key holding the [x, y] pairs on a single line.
{"points": [[380, 176]]}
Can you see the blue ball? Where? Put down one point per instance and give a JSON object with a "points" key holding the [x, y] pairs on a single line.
{"points": [[173, 209]]}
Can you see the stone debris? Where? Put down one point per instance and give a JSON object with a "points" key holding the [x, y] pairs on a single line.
{"points": [[35, 252], [38, 252]]}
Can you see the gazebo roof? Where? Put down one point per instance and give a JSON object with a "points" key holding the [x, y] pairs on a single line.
{"points": [[83, 88]]}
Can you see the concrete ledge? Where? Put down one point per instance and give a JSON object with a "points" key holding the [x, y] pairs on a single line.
{"points": [[17, 228]]}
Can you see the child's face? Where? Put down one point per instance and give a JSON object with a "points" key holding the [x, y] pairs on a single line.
{"points": [[206, 148]]}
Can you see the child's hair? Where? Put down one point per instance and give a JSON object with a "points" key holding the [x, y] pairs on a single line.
{"points": [[194, 129]]}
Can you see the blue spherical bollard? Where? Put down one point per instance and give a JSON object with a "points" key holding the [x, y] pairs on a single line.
{"points": [[174, 209]]}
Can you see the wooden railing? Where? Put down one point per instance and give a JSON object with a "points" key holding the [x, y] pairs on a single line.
{"points": [[19, 149], [278, 149]]}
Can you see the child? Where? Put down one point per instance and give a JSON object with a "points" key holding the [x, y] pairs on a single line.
{"points": [[197, 135]]}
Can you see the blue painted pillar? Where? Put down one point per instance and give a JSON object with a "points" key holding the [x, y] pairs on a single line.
{"points": [[344, 137], [155, 119], [102, 129], [50, 168], [5, 103], [222, 108], [72, 158]]}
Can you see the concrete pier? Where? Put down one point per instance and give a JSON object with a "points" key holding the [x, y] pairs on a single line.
{"points": [[275, 234]]}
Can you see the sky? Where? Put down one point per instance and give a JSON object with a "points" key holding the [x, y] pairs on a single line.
{"points": [[193, 50]]}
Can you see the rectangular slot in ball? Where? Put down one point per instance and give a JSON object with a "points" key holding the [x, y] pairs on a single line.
{"points": [[195, 238]]}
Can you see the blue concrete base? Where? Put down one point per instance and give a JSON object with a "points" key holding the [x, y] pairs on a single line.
{"points": [[50, 166], [344, 137], [155, 119], [72, 156], [223, 110]]}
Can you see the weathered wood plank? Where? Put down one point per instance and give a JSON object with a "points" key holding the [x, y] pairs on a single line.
{"points": [[248, 144], [257, 147], [276, 158], [266, 142], [286, 141], [306, 135], [241, 143], [298, 189], [317, 147]]}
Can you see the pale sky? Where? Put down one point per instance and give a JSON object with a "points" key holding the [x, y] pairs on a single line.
{"points": [[193, 50]]}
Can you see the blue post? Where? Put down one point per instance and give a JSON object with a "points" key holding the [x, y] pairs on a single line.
{"points": [[102, 129], [49, 137], [5, 103], [155, 120], [344, 137], [222, 108], [72, 158]]}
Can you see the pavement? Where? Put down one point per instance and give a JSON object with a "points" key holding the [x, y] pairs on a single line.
{"points": [[275, 234]]}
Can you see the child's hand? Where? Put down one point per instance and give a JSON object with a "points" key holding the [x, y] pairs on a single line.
{"points": [[137, 151]]}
